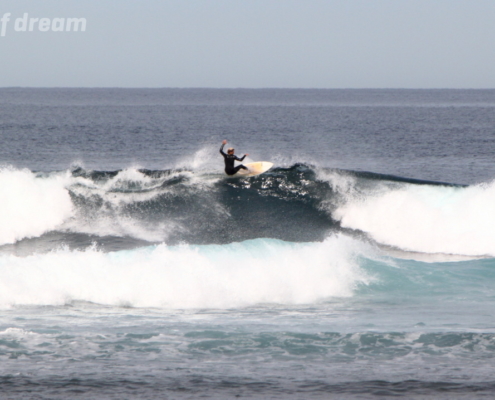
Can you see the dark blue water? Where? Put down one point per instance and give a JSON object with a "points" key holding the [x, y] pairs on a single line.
{"points": [[444, 135], [360, 266]]}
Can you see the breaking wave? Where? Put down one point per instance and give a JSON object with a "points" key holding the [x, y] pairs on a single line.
{"points": [[135, 207]]}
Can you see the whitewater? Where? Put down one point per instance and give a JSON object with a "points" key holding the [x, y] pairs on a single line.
{"points": [[360, 266]]}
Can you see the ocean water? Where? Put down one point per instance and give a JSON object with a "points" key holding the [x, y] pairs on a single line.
{"points": [[361, 266]]}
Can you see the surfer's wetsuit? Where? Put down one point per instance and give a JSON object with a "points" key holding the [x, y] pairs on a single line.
{"points": [[229, 162]]}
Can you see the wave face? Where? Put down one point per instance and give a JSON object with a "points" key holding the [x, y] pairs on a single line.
{"points": [[134, 207]]}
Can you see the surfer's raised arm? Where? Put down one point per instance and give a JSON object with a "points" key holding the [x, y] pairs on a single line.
{"points": [[221, 148]]}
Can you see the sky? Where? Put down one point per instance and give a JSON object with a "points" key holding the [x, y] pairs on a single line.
{"points": [[250, 44]]}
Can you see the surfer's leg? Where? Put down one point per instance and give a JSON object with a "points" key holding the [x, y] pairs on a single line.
{"points": [[236, 169]]}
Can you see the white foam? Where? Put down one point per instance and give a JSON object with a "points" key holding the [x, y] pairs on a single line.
{"points": [[212, 276], [128, 187], [426, 218], [31, 205]]}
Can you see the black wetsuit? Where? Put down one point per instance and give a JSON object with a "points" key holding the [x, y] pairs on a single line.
{"points": [[229, 162]]}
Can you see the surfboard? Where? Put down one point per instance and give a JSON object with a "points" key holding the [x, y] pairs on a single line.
{"points": [[255, 168]]}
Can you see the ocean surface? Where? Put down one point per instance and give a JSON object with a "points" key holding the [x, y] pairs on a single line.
{"points": [[361, 266]]}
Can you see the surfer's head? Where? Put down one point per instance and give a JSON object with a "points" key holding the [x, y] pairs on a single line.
{"points": [[230, 151]]}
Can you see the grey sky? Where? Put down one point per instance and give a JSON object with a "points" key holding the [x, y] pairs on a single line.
{"points": [[253, 44]]}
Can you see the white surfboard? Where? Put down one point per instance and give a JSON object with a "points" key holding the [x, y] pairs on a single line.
{"points": [[255, 168]]}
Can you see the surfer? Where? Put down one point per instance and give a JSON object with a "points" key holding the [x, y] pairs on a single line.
{"points": [[229, 158]]}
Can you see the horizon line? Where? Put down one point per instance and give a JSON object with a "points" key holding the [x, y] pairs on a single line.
{"points": [[240, 88]]}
